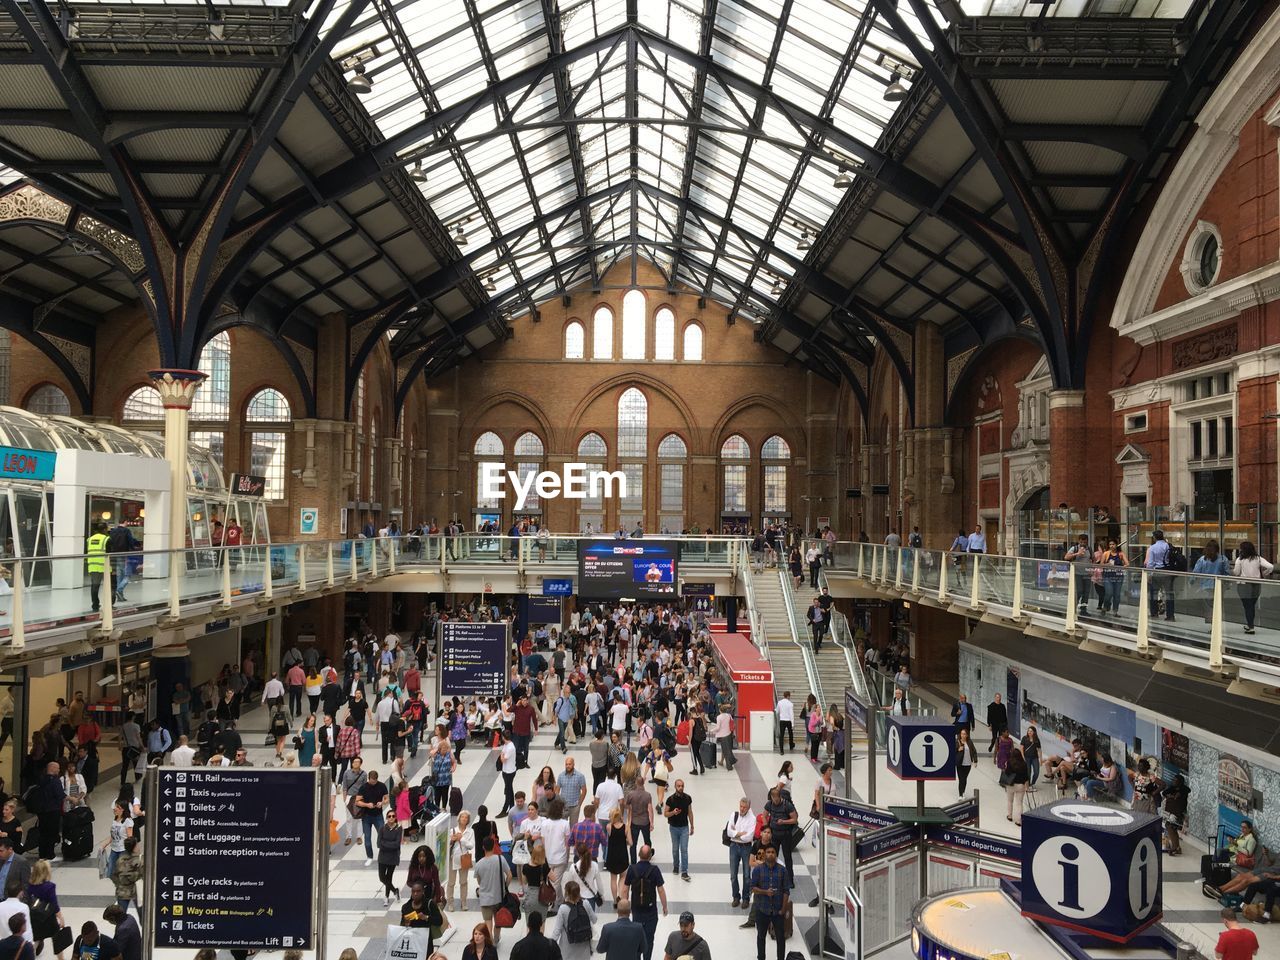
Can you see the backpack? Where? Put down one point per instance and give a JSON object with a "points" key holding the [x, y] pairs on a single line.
{"points": [[683, 731], [578, 925], [645, 896], [1177, 560]]}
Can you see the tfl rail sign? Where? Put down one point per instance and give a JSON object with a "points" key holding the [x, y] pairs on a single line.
{"points": [[238, 858], [920, 748]]}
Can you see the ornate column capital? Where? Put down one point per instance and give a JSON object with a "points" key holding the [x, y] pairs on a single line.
{"points": [[177, 388]]}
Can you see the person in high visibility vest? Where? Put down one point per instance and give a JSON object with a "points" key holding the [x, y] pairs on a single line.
{"points": [[95, 549]]}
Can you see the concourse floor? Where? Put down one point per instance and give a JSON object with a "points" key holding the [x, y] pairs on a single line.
{"points": [[357, 918]]}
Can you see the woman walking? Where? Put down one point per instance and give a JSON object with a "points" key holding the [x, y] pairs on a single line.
{"points": [[121, 830], [1250, 567], [616, 858], [1031, 753], [1113, 562], [442, 767], [1014, 780], [390, 837], [278, 727], [352, 780], [966, 758], [1175, 797], [462, 849], [574, 920], [307, 742]]}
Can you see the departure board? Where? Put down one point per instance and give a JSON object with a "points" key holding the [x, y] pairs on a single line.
{"points": [[473, 659]]}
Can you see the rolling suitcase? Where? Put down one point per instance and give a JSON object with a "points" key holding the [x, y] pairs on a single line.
{"points": [[77, 834], [707, 751]]}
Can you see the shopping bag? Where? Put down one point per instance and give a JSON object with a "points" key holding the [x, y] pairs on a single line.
{"points": [[407, 943], [104, 860]]}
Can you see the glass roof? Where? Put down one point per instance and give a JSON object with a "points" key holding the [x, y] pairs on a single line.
{"points": [[1076, 8], [620, 125]]}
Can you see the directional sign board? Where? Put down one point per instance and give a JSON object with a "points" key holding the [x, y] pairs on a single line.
{"points": [[474, 659], [236, 858], [920, 748]]}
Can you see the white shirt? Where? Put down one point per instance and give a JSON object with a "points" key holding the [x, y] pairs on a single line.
{"points": [[11, 906], [385, 709], [618, 713], [742, 827], [608, 796], [273, 689], [555, 840], [508, 757], [182, 756], [532, 827], [786, 710]]}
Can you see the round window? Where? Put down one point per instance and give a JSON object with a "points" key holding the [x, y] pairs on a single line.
{"points": [[1207, 269]]}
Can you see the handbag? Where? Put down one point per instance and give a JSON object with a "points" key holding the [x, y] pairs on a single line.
{"points": [[546, 893], [44, 919], [508, 911], [520, 853], [464, 863], [1245, 860]]}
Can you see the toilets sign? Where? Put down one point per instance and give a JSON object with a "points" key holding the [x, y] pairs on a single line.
{"points": [[574, 482]]}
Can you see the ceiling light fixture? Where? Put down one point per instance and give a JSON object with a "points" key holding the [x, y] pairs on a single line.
{"points": [[417, 174], [777, 288], [460, 236], [895, 91], [359, 83], [489, 285], [217, 25], [804, 243], [73, 25], [843, 179]]}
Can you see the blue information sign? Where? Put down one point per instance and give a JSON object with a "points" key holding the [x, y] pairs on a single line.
{"points": [[854, 708], [19, 464], [235, 859], [473, 659], [74, 661], [860, 815], [557, 588]]}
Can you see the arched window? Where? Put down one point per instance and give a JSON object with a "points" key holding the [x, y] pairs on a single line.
{"points": [[693, 342], [602, 334], [529, 453], [672, 453], [357, 418], [487, 449], [633, 445], [775, 475], [212, 400], [144, 405], [664, 334], [634, 332], [592, 453], [267, 448], [47, 400], [574, 341], [737, 449]]}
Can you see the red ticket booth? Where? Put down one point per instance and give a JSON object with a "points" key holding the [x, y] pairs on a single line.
{"points": [[752, 678]]}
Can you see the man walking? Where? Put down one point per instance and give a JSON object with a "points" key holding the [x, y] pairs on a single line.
{"points": [[962, 715], [997, 720], [679, 813], [387, 717], [786, 711], [573, 787], [817, 618], [740, 830], [507, 754], [492, 876], [623, 939], [769, 886], [644, 885], [524, 725], [564, 710]]}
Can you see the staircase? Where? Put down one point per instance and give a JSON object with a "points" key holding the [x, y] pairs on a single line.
{"points": [[790, 672], [830, 663]]}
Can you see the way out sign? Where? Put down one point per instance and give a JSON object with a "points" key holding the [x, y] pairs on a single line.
{"points": [[920, 748]]}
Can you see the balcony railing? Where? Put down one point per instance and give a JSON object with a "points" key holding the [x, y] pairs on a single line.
{"points": [[1194, 618]]}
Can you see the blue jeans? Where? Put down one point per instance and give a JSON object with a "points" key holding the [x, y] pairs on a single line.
{"points": [[1111, 593], [680, 849], [122, 575], [1033, 770], [371, 821], [740, 867], [560, 728], [1094, 787], [112, 857]]}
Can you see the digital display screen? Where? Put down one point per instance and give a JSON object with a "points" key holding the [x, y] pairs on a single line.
{"points": [[473, 659], [639, 569]]}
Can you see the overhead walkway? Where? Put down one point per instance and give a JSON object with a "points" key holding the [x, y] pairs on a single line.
{"points": [[175, 589], [1181, 621]]}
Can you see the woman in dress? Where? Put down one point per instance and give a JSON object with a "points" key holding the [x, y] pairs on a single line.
{"points": [[278, 727], [616, 859], [1146, 787], [795, 564], [1175, 796], [307, 735], [462, 850]]}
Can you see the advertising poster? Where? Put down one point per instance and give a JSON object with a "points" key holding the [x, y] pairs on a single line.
{"points": [[634, 569], [1175, 754], [307, 519], [1235, 792]]}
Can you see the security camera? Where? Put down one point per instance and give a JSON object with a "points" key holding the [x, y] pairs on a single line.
{"points": [[296, 471]]}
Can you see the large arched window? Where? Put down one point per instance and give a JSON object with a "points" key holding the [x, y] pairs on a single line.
{"points": [[48, 400], [633, 450], [212, 400], [602, 334], [268, 447], [773, 450], [592, 453], [529, 453], [693, 342], [672, 454], [664, 334], [488, 449], [736, 456], [357, 418], [574, 341], [634, 326], [143, 406]]}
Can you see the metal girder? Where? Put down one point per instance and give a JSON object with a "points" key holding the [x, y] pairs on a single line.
{"points": [[311, 49], [1126, 140], [696, 113], [993, 240], [47, 43], [1048, 298], [19, 316], [122, 125]]}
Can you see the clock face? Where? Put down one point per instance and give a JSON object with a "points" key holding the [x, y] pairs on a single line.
{"points": [[1092, 814]]}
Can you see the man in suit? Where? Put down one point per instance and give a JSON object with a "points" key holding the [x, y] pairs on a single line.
{"points": [[817, 618], [623, 939], [12, 865], [962, 715]]}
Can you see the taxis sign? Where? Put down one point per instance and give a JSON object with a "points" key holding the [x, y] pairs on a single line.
{"points": [[17, 463]]}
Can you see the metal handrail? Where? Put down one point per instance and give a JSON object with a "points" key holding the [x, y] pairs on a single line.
{"points": [[758, 635], [806, 651]]}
